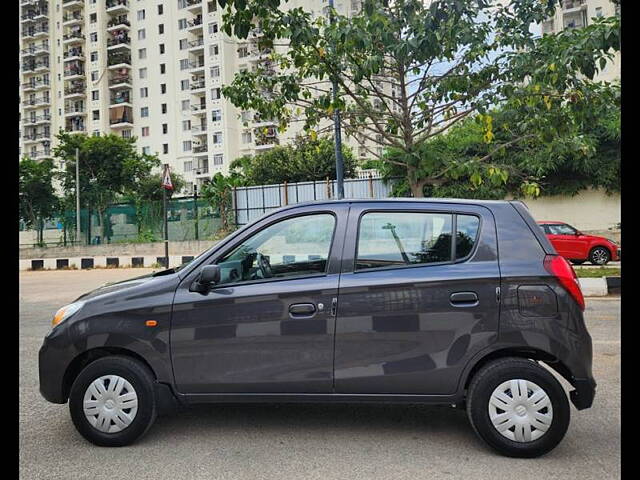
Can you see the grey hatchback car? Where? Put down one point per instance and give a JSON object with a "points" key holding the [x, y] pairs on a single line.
{"points": [[433, 301]]}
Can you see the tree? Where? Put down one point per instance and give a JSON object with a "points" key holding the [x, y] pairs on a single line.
{"points": [[563, 166], [147, 198], [217, 191], [303, 161], [37, 198], [408, 72], [109, 167]]}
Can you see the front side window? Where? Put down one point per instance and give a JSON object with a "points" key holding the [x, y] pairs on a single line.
{"points": [[561, 229], [403, 239], [290, 248]]}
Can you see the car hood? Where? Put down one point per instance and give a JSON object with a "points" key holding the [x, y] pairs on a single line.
{"points": [[112, 287]]}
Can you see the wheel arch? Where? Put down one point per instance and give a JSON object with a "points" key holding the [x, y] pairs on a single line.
{"points": [[519, 352], [85, 358]]}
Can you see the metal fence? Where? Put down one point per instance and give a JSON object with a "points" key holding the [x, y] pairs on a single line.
{"points": [[128, 222], [253, 202]]}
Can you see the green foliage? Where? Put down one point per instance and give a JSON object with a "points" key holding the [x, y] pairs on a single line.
{"points": [[305, 160], [37, 198], [218, 192], [409, 72], [109, 168]]}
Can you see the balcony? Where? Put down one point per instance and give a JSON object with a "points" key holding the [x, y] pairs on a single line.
{"points": [[75, 125], [73, 38], [119, 60], [34, 137], [35, 66], [199, 130], [115, 7], [42, 31], [121, 22], [74, 109], [197, 86], [35, 50], [121, 117], [120, 41], [72, 18], [74, 53], [36, 102], [37, 119], [196, 45], [74, 70], [573, 5], [196, 66], [120, 81], [199, 109], [36, 154], [120, 98], [72, 3], [194, 24], [34, 84], [76, 89], [201, 150], [34, 15], [194, 5]]}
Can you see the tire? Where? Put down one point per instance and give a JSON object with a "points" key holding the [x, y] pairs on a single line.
{"points": [[117, 422], [578, 262], [599, 256], [538, 441]]}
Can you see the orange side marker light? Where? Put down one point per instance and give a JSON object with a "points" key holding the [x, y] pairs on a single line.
{"points": [[151, 323]]}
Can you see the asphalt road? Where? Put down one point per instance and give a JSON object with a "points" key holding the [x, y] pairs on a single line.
{"points": [[310, 441]]}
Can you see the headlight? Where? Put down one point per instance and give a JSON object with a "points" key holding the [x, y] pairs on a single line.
{"points": [[65, 312], [613, 241]]}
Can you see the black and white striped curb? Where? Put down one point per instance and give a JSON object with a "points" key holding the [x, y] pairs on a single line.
{"points": [[101, 262]]}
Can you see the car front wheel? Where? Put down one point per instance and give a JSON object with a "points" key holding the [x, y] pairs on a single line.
{"points": [[518, 407], [599, 256], [112, 402]]}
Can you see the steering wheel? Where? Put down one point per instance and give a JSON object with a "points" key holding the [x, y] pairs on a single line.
{"points": [[264, 265]]}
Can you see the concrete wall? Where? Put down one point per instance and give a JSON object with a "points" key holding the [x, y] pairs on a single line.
{"points": [[591, 211], [119, 250]]}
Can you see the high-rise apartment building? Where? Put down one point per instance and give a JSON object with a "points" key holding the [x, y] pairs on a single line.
{"points": [[149, 69], [578, 14]]}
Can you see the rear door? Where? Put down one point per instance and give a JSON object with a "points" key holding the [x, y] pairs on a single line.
{"points": [[416, 302]]}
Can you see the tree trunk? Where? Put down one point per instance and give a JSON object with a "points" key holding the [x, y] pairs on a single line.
{"points": [[417, 189]]}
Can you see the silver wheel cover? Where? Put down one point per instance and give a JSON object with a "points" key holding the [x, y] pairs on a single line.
{"points": [[599, 256], [110, 404], [520, 410]]}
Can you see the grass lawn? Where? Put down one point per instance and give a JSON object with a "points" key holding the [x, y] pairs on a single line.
{"points": [[597, 272]]}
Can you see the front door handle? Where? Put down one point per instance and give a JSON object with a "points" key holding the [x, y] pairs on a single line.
{"points": [[464, 299], [302, 310]]}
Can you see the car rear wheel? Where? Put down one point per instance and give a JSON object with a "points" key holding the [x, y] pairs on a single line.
{"points": [[518, 407], [112, 402], [599, 256]]}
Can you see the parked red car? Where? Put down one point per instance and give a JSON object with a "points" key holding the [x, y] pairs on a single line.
{"points": [[578, 247]]}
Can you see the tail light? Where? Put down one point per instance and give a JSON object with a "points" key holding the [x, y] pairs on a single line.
{"points": [[560, 268]]}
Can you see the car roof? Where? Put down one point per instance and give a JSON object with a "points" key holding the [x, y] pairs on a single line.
{"points": [[458, 201]]}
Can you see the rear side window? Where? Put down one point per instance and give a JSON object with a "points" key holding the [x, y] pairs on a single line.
{"points": [[466, 234], [401, 239]]}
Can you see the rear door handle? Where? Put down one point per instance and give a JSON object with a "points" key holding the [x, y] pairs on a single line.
{"points": [[302, 310], [464, 299]]}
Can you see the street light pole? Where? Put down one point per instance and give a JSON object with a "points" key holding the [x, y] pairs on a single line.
{"points": [[195, 205], [77, 195], [337, 138]]}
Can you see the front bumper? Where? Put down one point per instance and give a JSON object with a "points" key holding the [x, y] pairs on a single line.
{"points": [[585, 391], [52, 364]]}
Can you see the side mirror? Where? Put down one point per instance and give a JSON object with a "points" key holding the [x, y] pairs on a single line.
{"points": [[210, 274]]}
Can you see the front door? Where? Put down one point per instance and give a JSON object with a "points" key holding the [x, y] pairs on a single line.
{"points": [[267, 326], [567, 242], [416, 303]]}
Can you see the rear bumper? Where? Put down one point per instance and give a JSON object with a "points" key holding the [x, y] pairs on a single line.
{"points": [[585, 391]]}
